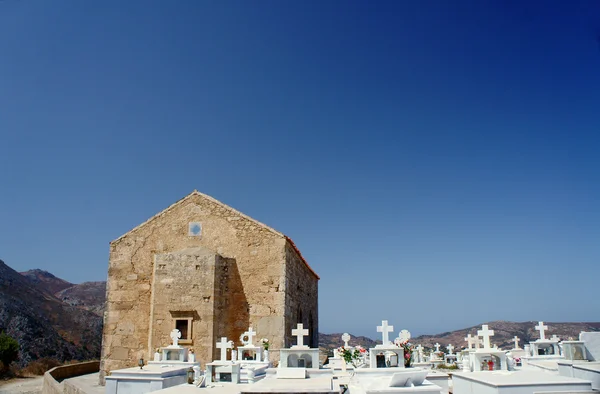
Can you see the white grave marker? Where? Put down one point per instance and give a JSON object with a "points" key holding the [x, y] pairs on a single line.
{"points": [[385, 330], [175, 335], [485, 333], [224, 345], [437, 347], [346, 337], [450, 349], [250, 334], [470, 341], [555, 338], [300, 332], [404, 335], [542, 328], [517, 340]]}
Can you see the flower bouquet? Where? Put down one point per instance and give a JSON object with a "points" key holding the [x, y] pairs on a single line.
{"points": [[265, 343], [352, 355], [407, 351]]}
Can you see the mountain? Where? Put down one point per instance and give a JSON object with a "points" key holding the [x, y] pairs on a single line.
{"points": [[45, 281], [90, 296], [44, 325]]}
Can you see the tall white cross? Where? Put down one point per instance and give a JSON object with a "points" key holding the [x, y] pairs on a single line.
{"points": [[224, 345], [420, 349], [541, 328], [385, 330], [250, 334], [485, 334], [470, 341], [450, 349], [517, 340], [437, 347], [345, 337], [300, 332]]}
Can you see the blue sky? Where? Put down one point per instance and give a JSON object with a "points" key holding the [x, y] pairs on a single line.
{"points": [[436, 162]]}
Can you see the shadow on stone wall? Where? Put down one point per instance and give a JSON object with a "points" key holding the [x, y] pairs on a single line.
{"points": [[232, 312]]}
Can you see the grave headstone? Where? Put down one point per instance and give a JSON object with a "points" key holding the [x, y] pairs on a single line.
{"points": [[300, 332], [542, 329], [224, 345], [485, 333], [346, 338], [175, 335], [385, 330]]}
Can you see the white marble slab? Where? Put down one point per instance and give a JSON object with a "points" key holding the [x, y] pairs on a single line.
{"points": [[517, 382]]}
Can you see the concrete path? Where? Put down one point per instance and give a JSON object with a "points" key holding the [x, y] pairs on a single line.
{"points": [[31, 385]]}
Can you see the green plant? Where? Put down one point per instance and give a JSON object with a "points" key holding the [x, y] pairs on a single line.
{"points": [[9, 349], [447, 366]]}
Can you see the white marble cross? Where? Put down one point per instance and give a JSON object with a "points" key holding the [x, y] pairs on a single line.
{"points": [[450, 349], [485, 333], [437, 347], [385, 330], [555, 338], [346, 337], [404, 335], [517, 340], [542, 328], [250, 334], [420, 349], [300, 332], [471, 340], [224, 345], [175, 335]]}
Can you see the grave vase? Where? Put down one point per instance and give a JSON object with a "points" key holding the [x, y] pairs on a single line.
{"points": [[266, 355], [407, 359]]}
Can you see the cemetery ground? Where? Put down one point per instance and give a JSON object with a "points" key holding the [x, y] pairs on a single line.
{"points": [[28, 385]]}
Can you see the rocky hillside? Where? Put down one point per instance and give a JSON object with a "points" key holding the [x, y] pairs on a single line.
{"points": [[504, 331], [328, 342], [44, 325], [45, 281], [90, 296]]}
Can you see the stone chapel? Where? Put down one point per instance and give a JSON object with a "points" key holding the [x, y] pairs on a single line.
{"points": [[210, 271]]}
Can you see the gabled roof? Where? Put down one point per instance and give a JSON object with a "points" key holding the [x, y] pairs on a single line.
{"points": [[197, 193]]}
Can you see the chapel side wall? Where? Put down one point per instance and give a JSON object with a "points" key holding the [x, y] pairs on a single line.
{"points": [[259, 258], [302, 298]]}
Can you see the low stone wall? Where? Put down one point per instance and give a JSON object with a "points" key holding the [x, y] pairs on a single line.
{"points": [[54, 377]]}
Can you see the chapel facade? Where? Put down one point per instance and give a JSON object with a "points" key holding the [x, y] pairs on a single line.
{"points": [[210, 271]]}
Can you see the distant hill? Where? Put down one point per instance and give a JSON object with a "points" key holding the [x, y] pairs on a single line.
{"points": [[329, 342], [90, 296], [44, 325], [504, 332], [45, 281]]}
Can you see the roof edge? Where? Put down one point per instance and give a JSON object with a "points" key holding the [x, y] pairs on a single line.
{"points": [[212, 199], [293, 245]]}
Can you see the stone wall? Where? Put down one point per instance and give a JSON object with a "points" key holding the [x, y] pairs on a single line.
{"points": [[302, 295], [53, 378], [248, 264]]}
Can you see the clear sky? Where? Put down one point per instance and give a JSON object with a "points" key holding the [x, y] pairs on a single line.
{"points": [[437, 162]]}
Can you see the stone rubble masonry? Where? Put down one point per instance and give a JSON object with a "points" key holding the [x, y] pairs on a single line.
{"points": [[237, 273]]}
